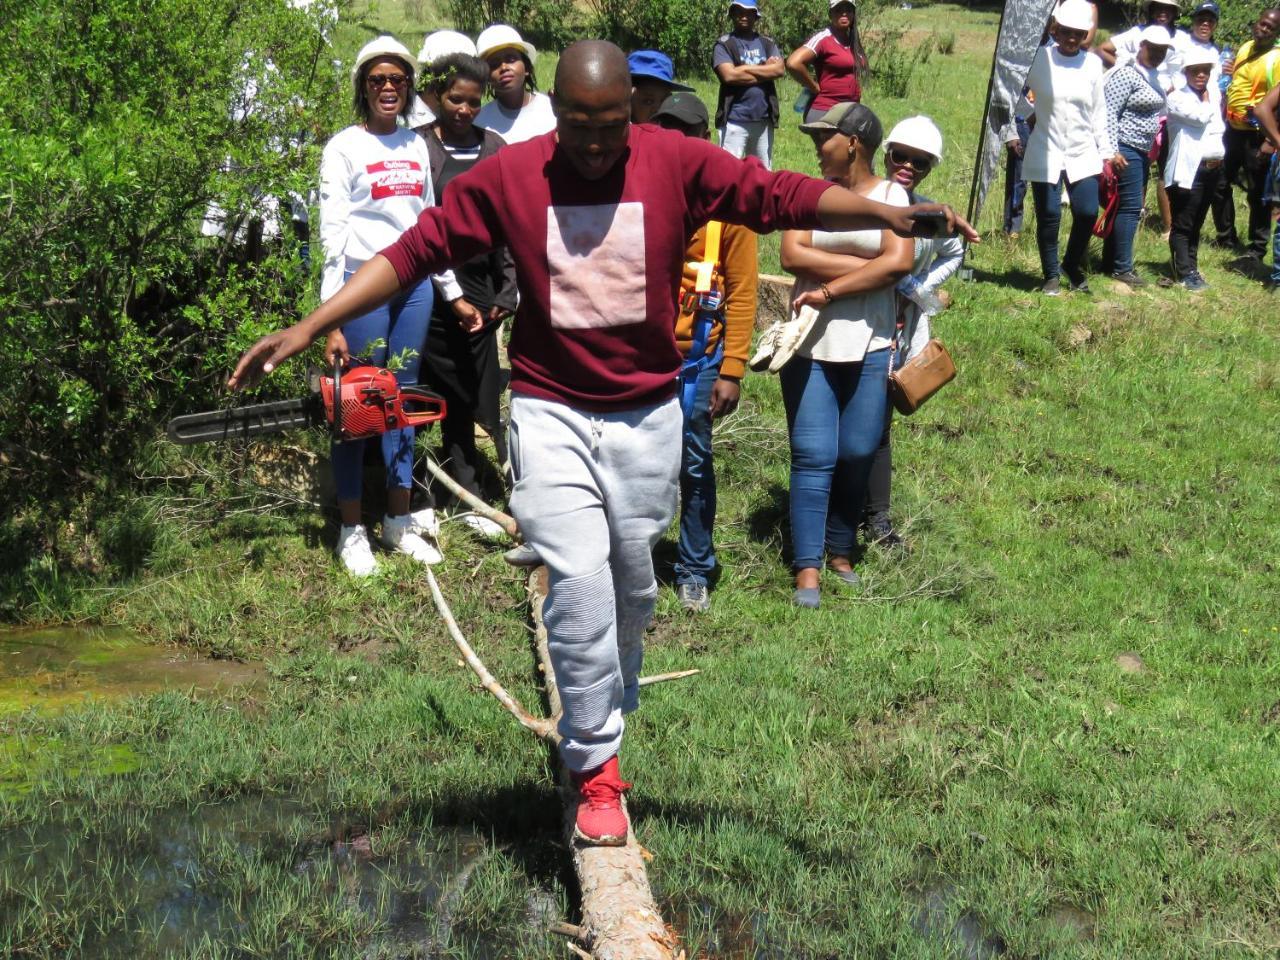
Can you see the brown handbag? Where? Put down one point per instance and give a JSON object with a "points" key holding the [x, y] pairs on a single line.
{"points": [[920, 377]]}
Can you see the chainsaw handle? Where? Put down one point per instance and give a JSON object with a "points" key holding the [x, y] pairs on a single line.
{"points": [[337, 396], [436, 408]]}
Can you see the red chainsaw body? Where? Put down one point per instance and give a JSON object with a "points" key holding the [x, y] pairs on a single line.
{"points": [[371, 402]]}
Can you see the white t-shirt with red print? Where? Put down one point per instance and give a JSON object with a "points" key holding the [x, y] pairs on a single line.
{"points": [[372, 188]]}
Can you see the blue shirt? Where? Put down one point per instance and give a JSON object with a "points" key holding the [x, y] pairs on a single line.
{"points": [[750, 103]]}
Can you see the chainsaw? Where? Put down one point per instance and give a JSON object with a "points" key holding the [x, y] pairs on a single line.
{"points": [[357, 403]]}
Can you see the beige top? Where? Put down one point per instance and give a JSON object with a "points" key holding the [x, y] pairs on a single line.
{"points": [[848, 328]]}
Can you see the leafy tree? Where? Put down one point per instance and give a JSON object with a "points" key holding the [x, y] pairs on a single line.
{"points": [[121, 122]]}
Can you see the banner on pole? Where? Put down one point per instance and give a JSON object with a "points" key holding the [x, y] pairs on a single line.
{"points": [[1021, 27]]}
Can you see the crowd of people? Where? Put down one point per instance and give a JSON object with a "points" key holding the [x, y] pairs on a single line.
{"points": [[1095, 119], [622, 242]]}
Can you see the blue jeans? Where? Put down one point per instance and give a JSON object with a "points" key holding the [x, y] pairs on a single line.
{"points": [[1131, 184], [400, 324], [835, 419], [1083, 195], [695, 553]]}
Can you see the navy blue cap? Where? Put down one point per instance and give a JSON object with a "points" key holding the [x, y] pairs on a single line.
{"points": [[1208, 6], [654, 65]]}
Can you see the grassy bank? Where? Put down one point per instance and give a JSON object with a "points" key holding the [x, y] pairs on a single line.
{"points": [[1050, 728]]}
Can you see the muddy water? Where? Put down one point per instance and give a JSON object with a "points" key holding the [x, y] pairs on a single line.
{"points": [[51, 669], [164, 883]]}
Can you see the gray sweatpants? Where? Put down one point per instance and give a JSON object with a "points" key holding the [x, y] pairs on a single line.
{"points": [[593, 493]]}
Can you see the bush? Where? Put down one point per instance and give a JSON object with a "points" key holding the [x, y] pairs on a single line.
{"points": [[544, 23], [687, 31], [120, 122], [892, 62]]}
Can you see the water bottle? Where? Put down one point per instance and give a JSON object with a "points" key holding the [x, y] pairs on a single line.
{"points": [[1224, 58], [911, 288]]}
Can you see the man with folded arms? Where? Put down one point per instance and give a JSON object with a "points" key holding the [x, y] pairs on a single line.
{"points": [[597, 215]]}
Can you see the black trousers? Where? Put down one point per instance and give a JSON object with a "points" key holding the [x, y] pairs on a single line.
{"points": [[880, 480], [1189, 208], [463, 368], [1243, 161]]}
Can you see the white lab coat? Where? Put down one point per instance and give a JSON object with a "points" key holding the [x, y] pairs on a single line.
{"points": [[1070, 134], [1195, 134]]}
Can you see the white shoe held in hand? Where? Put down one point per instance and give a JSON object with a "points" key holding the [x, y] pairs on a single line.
{"points": [[425, 523], [484, 526], [398, 536], [355, 551]]}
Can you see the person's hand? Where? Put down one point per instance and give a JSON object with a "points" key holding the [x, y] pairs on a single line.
{"points": [[931, 220], [944, 298], [335, 349], [1118, 162], [1015, 147], [725, 394], [469, 318], [267, 354], [810, 298], [497, 314], [1267, 148], [1229, 67]]}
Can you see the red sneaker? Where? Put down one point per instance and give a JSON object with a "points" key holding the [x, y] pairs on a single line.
{"points": [[601, 821]]}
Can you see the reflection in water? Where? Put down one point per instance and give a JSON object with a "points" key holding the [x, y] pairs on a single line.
{"points": [[174, 880], [966, 934]]}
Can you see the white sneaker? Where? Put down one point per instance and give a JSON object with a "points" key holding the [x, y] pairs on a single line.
{"points": [[355, 551], [398, 535], [425, 523], [484, 526]]}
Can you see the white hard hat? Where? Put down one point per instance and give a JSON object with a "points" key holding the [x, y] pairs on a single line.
{"points": [[1156, 35], [918, 132], [499, 37], [1074, 15], [444, 42], [383, 46], [1199, 57]]}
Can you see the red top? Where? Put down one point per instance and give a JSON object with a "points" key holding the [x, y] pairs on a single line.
{"points": [[835, 70], [599, 263]]}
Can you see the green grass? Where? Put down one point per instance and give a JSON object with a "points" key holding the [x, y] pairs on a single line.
{"points": [[1099, 480]]}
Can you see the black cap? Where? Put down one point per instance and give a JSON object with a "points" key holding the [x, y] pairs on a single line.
{"points": [[684, 108], [851, 119]]}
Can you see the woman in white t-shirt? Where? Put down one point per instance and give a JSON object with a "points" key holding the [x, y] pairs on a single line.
{"points": [[374, 182], [836, 385], [517, 112]]}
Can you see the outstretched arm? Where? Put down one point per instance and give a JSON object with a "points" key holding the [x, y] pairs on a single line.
{"points": [[369, 287], [841, 209]]}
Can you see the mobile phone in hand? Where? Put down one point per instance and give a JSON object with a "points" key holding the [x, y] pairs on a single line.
{"points": [[928, 223]]}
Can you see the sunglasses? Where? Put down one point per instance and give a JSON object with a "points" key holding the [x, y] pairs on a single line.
{"points": [[379, 80], [918, 163]]}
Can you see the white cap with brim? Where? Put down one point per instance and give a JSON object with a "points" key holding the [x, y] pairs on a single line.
{"points": [[383, 46], [500, 37], [444, 42], [1074, 15], [1199, 58], [919, 133], [1156, 35]]}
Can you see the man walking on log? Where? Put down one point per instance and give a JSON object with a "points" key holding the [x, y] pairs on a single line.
{"points": [[597, 215]]}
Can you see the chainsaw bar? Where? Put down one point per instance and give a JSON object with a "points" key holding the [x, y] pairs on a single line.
{"points": [[255, 420]]}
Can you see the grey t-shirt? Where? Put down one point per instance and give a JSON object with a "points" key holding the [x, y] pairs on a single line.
{"points": [[751, 103]]}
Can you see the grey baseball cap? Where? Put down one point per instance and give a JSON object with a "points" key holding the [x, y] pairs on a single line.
{"points": [[851, 119]]}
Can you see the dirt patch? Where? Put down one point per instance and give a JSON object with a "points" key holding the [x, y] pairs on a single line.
{"points": [[1130, 662]]}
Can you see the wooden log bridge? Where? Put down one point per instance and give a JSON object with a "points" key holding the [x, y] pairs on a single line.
{"points": [[620, 919]]}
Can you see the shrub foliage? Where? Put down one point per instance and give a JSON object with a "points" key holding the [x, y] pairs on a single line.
{"points": [[120, 122]]}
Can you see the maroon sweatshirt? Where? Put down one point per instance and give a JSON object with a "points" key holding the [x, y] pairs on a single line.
{"points": [[599, 263]]}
